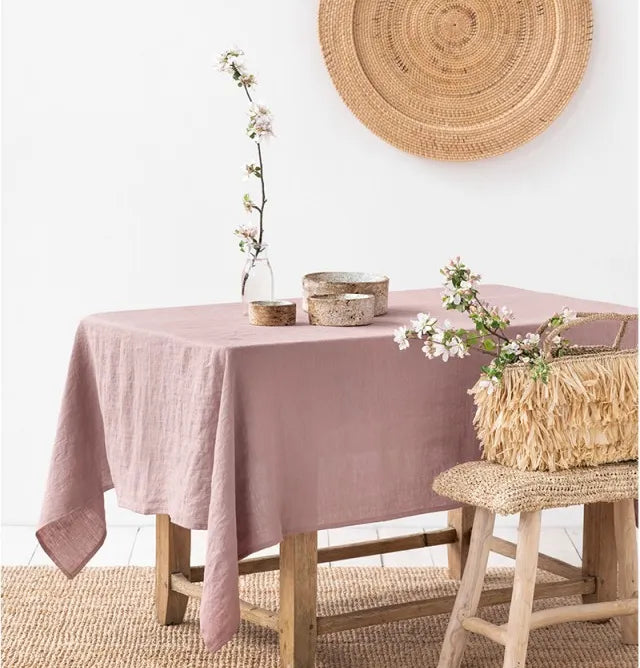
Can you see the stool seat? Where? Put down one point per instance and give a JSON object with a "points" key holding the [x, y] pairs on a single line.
{"points": [[507, 491], [608, 578]]}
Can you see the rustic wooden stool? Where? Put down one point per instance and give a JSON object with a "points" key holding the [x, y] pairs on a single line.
{"points": [[495, 489]]}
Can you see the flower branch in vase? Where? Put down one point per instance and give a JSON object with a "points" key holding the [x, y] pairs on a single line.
{"points": [[257, 276]]}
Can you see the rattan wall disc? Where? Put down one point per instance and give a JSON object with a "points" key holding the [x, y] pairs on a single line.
{"points": [[456, 79]]}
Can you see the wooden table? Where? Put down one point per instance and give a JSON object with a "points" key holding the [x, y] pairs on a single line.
{"points": [[297, 622], [264, 432]]}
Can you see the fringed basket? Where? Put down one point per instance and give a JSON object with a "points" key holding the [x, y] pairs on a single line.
{"points": [[586, 414]]}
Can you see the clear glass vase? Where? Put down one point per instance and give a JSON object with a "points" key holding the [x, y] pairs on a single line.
{"points": [[257, 278]]}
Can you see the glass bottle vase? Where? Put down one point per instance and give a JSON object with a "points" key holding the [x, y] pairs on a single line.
{"points": [[257, 278]]}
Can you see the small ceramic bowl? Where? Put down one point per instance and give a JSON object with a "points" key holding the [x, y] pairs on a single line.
{"points": [[349, 310], [347, 282], [272, 314]]}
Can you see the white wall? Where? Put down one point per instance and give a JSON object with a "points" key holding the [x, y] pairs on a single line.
{"points": [[122, 149]]}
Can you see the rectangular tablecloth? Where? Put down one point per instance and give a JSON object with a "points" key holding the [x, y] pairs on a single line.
{"points": [[255, 433]]}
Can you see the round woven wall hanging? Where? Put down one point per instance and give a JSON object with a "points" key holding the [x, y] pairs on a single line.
{"points": [[456, 79]]}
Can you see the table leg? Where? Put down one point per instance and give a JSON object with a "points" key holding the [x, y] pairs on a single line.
{"points": [[298, 586], [173, 555], [460, 519], [599, 552]]}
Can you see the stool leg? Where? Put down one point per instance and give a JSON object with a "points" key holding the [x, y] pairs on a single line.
{"points": [[515, 653], [460, 519], [627, 555], [598, 553], [466, 604]]}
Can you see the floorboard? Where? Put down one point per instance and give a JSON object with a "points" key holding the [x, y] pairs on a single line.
{"points": [[127, 545]]}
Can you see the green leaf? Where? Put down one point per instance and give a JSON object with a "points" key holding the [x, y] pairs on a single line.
{"points": [[489, 344]]}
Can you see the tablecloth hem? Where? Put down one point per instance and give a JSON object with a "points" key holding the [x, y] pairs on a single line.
{"points": [[70, 574], [263, 544], [152, 509], [146, 509], [214, 642], [53, 529]]}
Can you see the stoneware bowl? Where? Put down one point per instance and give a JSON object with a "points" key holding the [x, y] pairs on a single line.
{"points": [[346, 282], [349, 310], [272, 314]]}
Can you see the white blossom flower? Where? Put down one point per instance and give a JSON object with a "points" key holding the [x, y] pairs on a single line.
{"points": [[447, 326], [506, 313], [445, 347], [260, 122], [531, 339], [512, 348], [247, 80], [232, 59], [556, 340], [440, 350], [568, 315], [250, 169], [457, 347], [456, 266], [427, 349], [451, 297], [248, 203], [400, 336], [232, 62], [248, 238], [423, 324], [247, 231], [438, 335]]}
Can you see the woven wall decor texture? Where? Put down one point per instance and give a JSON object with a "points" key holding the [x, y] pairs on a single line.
{"points": [[456, 79]]}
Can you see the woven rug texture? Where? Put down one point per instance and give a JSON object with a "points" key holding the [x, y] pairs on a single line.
{"points": [[105, 619]]}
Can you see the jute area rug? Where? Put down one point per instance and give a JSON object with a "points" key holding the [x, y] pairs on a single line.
{"points": [[105, 619]]}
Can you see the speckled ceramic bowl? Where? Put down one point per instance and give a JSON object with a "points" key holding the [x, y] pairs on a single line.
{"points": [[272, 314], [348, 310], [347, 282]]}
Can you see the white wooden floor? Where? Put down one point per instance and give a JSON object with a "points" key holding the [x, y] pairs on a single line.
{"points": [[135, 546]]}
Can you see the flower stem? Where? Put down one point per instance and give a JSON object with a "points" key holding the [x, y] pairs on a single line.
{"points": [[482, 350], [495, 332], [260, 209], [264, 198]]}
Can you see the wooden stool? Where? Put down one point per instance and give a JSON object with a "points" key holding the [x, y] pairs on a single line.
{"points": [[492, 489]]}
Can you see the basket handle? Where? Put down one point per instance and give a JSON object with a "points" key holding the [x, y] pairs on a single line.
{"points": [[583, 318]]}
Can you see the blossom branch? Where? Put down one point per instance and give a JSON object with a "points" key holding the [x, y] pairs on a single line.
{"points": [[259, 128], [260, 209], [444, 341]]}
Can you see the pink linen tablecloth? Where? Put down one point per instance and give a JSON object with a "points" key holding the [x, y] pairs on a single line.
{"points": [[255, 433]]}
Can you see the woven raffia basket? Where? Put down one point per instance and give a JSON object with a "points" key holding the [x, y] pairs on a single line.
{"points": [[586, 414]]}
